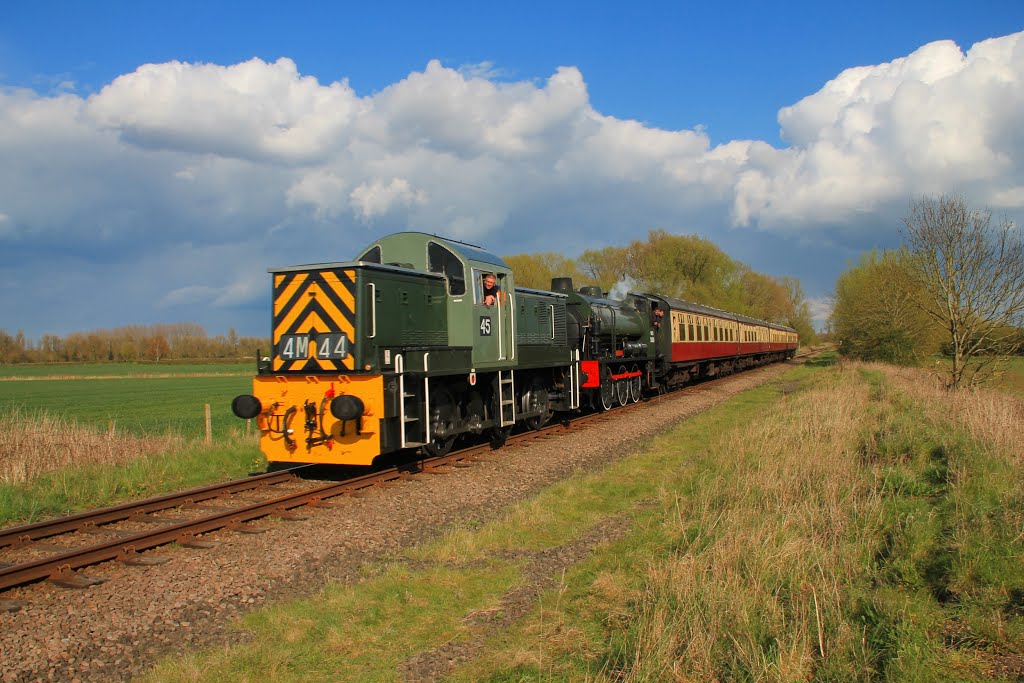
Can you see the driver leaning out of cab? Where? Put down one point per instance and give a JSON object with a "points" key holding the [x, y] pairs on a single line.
{"points": [[491, 292]]}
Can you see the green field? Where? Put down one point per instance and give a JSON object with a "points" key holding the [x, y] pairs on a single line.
{"points": [[62, 456], [123, 369], [138, 405], [1014, 379]]}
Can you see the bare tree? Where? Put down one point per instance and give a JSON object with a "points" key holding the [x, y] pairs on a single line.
{"points": [[971, 275]]}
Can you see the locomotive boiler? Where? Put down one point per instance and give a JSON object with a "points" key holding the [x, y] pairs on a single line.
{"points": [[616, 339]]}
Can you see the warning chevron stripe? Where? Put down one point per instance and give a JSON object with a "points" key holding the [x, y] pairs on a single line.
{"points": [[340, 297], [290, 292], [328, 305], [314, 303], [326, 312]]}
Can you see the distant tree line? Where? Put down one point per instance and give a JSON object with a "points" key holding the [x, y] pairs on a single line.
{"points": [[132, 343], [682, 266], [955, 289]]}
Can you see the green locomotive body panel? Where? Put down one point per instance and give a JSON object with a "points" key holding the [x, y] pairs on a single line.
{"points": [[487, 330], [541, 328]]}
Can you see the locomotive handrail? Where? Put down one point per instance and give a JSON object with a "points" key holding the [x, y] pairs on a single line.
{"points": [[512, 320], [400, 371], [373, 311], [501, 337]]}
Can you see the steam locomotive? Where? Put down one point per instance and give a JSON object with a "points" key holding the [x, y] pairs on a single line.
{"points": [[406, 347]]}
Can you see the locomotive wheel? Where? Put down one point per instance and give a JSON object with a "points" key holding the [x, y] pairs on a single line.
{"points": [[536, 398], [636, 386], [607, 389], [622, 387], [442, 421]]}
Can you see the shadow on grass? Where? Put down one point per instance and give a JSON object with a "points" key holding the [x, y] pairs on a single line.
{"points": [[823, 360]]}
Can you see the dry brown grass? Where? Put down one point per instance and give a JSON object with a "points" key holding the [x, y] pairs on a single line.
{"points": [[989, 415], [781, 522], [35, 443]]}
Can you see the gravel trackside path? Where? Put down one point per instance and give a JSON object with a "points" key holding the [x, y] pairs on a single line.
{"points": [[115, 630]]}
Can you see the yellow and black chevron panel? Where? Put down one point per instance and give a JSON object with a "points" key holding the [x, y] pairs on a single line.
{"points": [[314, 321]]}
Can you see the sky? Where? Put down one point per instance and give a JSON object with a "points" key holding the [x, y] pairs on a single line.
{"points": [[156, 159]]}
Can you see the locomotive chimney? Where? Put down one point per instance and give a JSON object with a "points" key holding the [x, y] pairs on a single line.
{"points": [[562, 284]]}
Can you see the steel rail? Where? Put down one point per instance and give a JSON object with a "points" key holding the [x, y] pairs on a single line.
{"points": [[127, 548], [17, 535]]}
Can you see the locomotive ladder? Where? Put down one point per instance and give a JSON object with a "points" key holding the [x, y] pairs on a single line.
{"points": [[507, 398], [574, 379], [413, 434]]}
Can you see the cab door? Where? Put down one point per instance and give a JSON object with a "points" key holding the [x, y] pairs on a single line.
{"points": [[494, 342]]}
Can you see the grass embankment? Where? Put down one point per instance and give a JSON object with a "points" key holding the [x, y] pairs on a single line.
{"points": [[838, 525], [67, 445]]}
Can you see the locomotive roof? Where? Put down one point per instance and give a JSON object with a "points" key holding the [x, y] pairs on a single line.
{"points": [[542, 292], [690, 307], [355, 264], [467, 251]]}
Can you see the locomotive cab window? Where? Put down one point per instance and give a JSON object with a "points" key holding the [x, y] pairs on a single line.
{"points": [[440, 260], [487, 283], [371, 255]]}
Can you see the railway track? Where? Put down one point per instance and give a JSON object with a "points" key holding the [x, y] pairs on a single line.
{"points": [[57, 549]]}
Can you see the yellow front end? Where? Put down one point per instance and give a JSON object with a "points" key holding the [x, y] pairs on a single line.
{"points": [[298, 426]]}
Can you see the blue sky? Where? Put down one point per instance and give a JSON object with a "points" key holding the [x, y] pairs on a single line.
{"points": [[265, 135]]}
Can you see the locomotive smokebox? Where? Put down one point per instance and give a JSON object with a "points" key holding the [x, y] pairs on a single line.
{"points": [[562, 284]]}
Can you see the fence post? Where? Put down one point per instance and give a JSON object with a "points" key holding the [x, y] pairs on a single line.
{"points": [[209, 434]]}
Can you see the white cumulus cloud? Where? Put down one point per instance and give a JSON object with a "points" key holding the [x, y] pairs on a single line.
{"points": [[174, 187], [938, 120]]}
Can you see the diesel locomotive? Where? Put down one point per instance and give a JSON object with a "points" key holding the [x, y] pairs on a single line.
{"points": [[410, 346]]}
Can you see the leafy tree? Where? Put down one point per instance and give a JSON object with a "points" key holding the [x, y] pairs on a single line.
{"points": [[684, 266], [157, 347], [12, 348], [798, 311], [970, 277], [875, 316], [681, 266], [537, 270], [606, 266]]}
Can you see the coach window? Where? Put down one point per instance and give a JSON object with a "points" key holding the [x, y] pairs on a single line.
{"points": [[440, 260]]}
